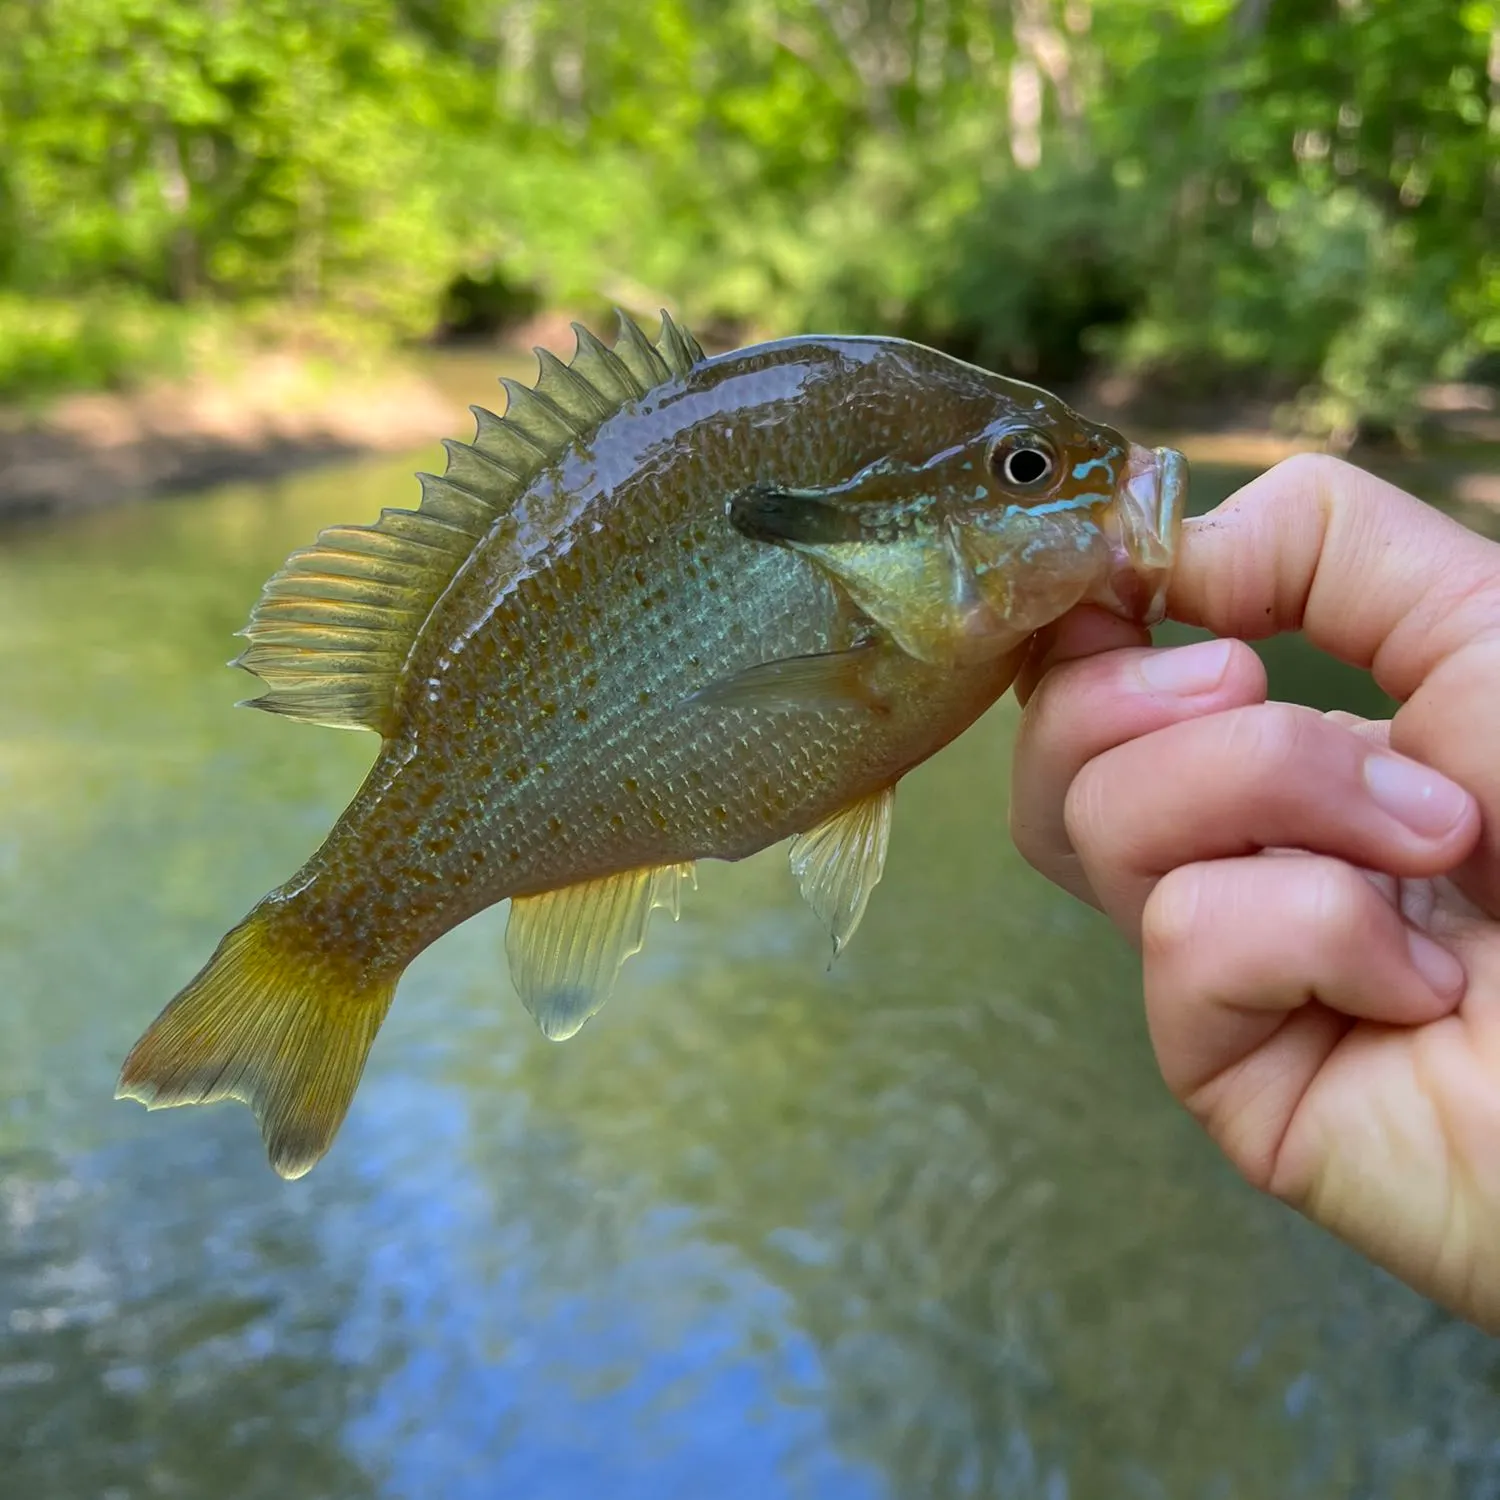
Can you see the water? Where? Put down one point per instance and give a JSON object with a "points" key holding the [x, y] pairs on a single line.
{"points": [[927, 1226]]}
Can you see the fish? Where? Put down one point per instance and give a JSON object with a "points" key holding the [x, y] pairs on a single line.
{"points": [[668, 607]]}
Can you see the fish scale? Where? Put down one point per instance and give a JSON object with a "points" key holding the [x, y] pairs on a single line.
{"points": [[666, 608]]}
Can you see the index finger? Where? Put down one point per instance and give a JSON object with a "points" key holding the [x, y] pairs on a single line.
{"points": [[1381, 580]]}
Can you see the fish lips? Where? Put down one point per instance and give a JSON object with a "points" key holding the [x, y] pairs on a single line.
{"points": [[1144, 527]]}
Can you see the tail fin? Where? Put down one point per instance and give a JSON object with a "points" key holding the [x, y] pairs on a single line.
{"points": [[274, 1022]]}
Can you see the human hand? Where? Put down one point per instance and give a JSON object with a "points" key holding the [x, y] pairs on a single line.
{"points": [[1316, 897]]}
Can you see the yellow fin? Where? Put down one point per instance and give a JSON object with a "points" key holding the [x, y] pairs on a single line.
{"points": [[839, 862], [566, 947], [332, 631], [270, 1021]]}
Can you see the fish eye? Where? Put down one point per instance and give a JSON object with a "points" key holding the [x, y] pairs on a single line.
{"points": [[1023, 460]]}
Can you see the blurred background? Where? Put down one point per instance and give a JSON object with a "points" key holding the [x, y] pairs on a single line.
{"points": [[1299, 198], [924, 1226]]}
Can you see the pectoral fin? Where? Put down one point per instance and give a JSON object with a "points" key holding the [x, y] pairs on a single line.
{"points": [[834, 679], [768, 513], [840, 862], [566, 947], [893, 553], [920, 591]]}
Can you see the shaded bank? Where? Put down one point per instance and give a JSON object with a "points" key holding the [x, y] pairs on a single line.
{"points": [[276, 413]]}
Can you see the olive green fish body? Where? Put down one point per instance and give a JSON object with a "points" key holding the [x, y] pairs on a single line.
{"points": [[668, 608], [546, 732]]}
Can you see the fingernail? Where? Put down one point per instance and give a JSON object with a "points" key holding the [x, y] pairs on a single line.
{"points": [[1188, 670], [1435, 964], [1427, 803]]}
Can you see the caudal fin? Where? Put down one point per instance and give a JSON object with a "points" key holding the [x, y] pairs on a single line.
{"points": [[272, 1022]]}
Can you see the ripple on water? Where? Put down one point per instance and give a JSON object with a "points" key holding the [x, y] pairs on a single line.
{"points": [[923, 1226]]}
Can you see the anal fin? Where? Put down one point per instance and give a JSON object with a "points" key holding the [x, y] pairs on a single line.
{"points": [[566, 947], [839, 862]]}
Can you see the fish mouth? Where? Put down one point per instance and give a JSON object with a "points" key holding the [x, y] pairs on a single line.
{"points": [[1144, 526]]}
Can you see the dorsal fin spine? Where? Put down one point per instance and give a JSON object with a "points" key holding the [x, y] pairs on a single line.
{"points": [[334, 628], [463, 456], [603, 367], [637, 353], [547, 427], [576, 400], [490, 429]]}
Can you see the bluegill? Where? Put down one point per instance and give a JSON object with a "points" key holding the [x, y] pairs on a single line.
{"points": [[667, 608]]}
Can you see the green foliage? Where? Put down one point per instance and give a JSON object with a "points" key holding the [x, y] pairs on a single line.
{"points": [[1302, 194], [54, 344]]}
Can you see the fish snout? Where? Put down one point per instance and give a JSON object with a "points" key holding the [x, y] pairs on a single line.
{"points": [[1143, 526]]}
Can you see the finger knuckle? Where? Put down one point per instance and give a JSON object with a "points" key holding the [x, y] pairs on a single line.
{"points": [[1319, 474], [1269, 742], [1058, 710], [1331, 902], [1086, 807], [1172, 916], [1026, 835]]}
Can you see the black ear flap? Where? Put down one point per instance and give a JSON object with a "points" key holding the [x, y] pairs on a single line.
{"points": [[766, 513]]}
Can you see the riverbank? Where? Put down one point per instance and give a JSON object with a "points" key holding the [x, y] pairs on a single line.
{"points": [[280, 412], [276, 413]]}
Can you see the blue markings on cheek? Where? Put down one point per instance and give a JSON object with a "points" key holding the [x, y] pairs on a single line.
{"points": [[1059, 507], [1087, 467]]}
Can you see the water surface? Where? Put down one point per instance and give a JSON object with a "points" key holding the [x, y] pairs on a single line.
{"points": [[925, 1226]]}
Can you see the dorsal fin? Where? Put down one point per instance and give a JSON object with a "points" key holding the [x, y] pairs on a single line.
{"points": [[333, 629], [677, 346]]}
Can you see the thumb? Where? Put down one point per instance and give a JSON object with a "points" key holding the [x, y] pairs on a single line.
{"points": [[1370, 574]]}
